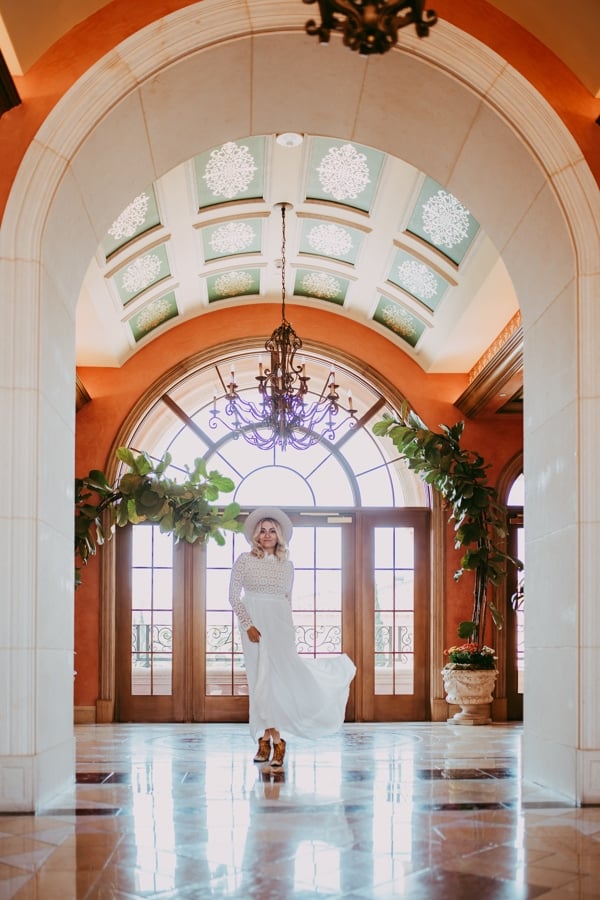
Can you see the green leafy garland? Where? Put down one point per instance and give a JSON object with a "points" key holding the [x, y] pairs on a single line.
{"points": [[479, 519], [186, 509]]}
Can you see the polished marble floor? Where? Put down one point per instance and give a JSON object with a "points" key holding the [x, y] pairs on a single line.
{"points": [[377, 811]]}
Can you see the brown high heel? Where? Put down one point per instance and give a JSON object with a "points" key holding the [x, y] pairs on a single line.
{"points": [[264, 750], [278, 754]]}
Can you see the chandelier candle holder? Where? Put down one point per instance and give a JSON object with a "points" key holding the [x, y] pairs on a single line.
{"points": [[285, 414], [370, 26]]}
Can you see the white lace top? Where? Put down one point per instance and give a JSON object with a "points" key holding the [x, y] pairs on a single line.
{"points": [[250, 574]]}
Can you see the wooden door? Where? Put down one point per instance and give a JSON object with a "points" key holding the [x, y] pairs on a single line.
{"points": [[393, 616]]}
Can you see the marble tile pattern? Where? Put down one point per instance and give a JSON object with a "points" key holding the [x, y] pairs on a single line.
{"points": [[377, 811]]}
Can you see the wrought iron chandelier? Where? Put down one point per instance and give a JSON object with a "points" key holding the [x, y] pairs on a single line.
{"points": [[370, 26], [285, 415]]}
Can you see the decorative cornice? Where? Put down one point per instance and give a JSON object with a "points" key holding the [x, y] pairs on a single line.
{"points": [[501, 363]]}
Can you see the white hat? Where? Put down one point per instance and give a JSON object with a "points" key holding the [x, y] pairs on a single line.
{"points": [[268, 512]]}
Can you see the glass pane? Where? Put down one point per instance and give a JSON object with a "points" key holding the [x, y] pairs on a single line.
{"points": [[151, 613], [162, 633], [302, 548], [384, 632], [218, 556], [384, 676], [240, 684], [384, 548], [328, 548], [219, 632], [403, 675], [329, 634], [330, 485], [163, 588], [516, 495], [376, 488], [141, 676], [162, 675], [405, 548], [303, 596], [163, 548], [141, 546], [267, 486], [141, 588], [393, 613], [384, 590], [217, 589], [405, 590], [328, 590], [218, 675]]}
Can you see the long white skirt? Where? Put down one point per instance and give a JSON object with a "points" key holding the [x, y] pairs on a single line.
{"points": [[296, 695]]}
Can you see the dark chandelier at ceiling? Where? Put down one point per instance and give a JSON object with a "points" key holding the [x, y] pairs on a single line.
{"points": [[370, 26], [284, 415]]}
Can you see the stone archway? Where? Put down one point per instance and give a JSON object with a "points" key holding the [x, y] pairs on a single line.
{"points": [[493, 141]]}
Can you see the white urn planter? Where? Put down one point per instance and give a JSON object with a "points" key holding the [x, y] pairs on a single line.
{"points": [[472, 690]]}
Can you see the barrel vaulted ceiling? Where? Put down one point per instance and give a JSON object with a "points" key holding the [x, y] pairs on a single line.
{"points": [[367, 236]]}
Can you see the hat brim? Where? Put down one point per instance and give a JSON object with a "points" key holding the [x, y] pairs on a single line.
{"points": [[268, 512]]}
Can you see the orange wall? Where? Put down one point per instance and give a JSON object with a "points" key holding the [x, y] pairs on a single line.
{"points": [[115, 391]]}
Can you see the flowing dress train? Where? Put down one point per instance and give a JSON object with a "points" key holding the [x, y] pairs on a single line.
{"points": [[298, 696]]}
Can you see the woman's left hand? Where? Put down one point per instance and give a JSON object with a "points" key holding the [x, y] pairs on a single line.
{"points": [[253, 634]]}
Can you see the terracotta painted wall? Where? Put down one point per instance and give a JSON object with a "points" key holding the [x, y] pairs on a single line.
{"points": [[115, 391]]}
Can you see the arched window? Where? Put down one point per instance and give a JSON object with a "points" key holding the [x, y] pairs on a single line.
{"points": [[355, 470]]}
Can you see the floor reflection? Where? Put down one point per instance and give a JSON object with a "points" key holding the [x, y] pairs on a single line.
{"points": [[377, 811]]}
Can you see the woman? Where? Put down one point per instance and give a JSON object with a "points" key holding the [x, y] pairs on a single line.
{"points": [[288, 694]]}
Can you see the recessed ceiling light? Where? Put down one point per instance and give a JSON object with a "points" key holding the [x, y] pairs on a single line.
{"points": [[289, 139]]}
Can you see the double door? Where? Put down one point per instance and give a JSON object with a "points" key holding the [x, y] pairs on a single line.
{"points": [[361, 587]]}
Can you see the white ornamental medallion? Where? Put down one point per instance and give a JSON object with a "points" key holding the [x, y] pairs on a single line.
{"points": [[343, 172], [132, 218], [232, 283], [319, 284], [142, 272], [445, 220], [399, 321], [229, 170], [233, 237], [330, 240], [417, 279]]}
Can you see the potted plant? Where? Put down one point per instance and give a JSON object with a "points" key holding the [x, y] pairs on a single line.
{"points": [[460, 476], [143, 493]]}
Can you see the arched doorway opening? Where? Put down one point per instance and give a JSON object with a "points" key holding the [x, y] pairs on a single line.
{"points": [[49, 238], [360, 549]]}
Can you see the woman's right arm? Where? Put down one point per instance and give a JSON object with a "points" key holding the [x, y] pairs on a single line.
{"points": [[236, 583]]}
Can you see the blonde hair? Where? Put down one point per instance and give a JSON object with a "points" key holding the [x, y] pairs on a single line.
{"points": [[281, 549]]}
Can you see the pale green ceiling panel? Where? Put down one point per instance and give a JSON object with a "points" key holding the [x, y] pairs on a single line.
{"points": [[343, 173], [137, 218], [235, 283], [442, 221], [232, 238], [233, 171], [320, 285], [319, 237], [417, 279], [143, 272], [153, 314], [399, 320]]}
